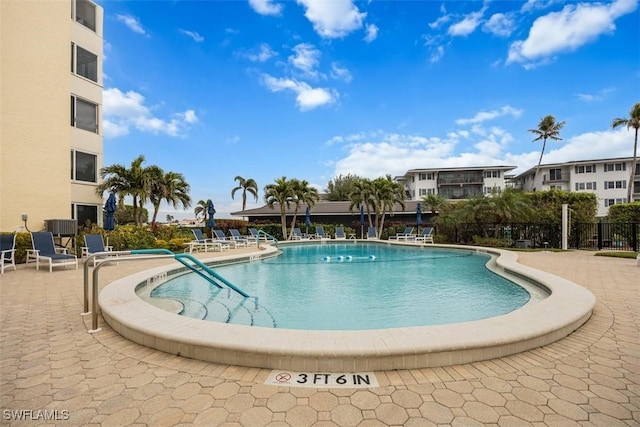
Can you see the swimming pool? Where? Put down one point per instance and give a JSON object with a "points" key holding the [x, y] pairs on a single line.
{"points": [[347, 286], [566, 308]]}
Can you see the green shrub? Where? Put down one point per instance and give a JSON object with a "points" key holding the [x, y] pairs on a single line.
{"points": [[128, 237], [617, 254], [491, 242]]}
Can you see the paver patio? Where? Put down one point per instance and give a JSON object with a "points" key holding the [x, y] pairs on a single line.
{"points": [[48, 361]]}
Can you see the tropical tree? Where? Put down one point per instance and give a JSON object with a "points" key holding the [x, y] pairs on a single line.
{"points": [[361, 196], [169, 218], [281, 193], [201, 208], [633, 121], [302, 193], [548, 128], [340, 188], [134, 181], [434, 202], [170, 187], [386, 193], [247, 186]]}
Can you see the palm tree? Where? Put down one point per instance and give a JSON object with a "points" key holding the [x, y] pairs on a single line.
{"points": [[633, 121], [434, 202], [134, 181], [201, 208], [170, 218], [247, 186], [548, 128], [280, 193], [386, 193], [361, 195], [303, 193], [170, 187]]}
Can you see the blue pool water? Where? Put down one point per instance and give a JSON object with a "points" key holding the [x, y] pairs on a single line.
{"points": [[348, 286]]}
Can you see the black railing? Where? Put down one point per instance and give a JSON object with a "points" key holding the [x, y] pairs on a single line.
{"points": [[625, 237]]}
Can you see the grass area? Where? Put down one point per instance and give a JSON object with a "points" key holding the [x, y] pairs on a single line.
{"points": [[618, 254]]}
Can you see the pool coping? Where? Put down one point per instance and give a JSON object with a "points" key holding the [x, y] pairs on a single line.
{"points": [[534, 325]]}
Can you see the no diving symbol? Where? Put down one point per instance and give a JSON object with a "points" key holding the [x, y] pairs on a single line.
{"points": [[283, 377]]}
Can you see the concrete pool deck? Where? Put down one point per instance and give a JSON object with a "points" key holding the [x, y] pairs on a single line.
{"points": [[49, 361]]}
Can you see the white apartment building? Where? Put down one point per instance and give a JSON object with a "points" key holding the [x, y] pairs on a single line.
{"points": [[454, 183], [607, 178], [50, 126]]}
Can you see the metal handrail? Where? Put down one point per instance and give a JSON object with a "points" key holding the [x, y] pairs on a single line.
{"points": [[267, 236]]}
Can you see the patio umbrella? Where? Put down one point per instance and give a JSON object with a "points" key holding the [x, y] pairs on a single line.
{"points": [[211, 210], [110, 214], [307, 219], [418, 216], [361, 222]]}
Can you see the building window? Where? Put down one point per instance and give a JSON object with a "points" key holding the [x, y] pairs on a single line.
{"points": [[586, 169], [611, 202], [85, 63], [83, 166], [555, 187], [611, 167], [86, 14], [422, 177], [423, 192], [615, 184], [431, 191], [431, 176], [585, 186], [555, 174], [84, 114], [85, 214]]}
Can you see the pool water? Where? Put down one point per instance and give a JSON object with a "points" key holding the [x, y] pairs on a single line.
{"points": [[348, 286]]}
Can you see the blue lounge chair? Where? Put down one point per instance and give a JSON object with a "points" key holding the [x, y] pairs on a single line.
{"points": [[340, 233], [426, 236], [93, 244], [405, 235], [7, 251], [372, 233], [218, 236], [202, 243], [298, 235], [44, 249], [237, 237], [320, 233]]}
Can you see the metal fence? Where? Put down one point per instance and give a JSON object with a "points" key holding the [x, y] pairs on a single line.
{"points": [[625, 237]]}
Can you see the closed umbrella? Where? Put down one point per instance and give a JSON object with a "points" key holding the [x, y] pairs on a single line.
{"points": [[307, 219], [211, 210], [361, 222], [110, 214], [418, 216]]}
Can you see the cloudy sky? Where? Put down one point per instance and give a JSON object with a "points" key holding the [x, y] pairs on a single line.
{"points": [[311, 89]]}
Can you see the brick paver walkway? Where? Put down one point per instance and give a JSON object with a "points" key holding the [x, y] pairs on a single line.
{"points": [[48, 361]]}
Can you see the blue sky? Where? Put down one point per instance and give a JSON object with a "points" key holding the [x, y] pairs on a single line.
{"points": [[311, 89]]}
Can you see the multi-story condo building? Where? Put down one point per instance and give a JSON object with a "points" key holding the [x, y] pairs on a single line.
{"points": [[607, 178], [454, 183], [50, 133]]}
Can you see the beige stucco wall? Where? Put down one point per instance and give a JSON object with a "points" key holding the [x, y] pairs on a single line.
{"points": [[35, 132]]}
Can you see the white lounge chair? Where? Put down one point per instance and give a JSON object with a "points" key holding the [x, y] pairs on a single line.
{"points": [[372, 233], [405, 235], [7, 252], [202, 243], [297, 234], [93, 244], [426, 236], [237, 237], [340, 233], [44, 249], [320, 233], [218, 236]]}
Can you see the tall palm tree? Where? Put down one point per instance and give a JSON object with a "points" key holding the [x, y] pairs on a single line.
{"points": [[280, 193], [361, 196], [201, 208], [247, 186], [134, 181], [170, 187], [303, 193], [434, 202], [548, 128], [386, 193], [633, 121]]}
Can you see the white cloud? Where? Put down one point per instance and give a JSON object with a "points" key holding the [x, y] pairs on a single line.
{"points": [[133, 23], [333, 19], [483, 116], [195, 36], [436, 54], [263, 54], [372, 33], [265, 7], [594, 97], [468, 24], [439, 22], [305, 58], [568, 30], [307, 97], [538, 4], [124, 110], [499, 24], [340, 73]]}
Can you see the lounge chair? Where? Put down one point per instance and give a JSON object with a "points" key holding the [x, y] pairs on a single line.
{"points": [[372, 233], [237, 237], [44, 249], [298, 235], [426, 236], [202, 243], [320, 233], [218, 236], [340, 233], [256, 235], [405, 235], [93, 244], [7, 251]]}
